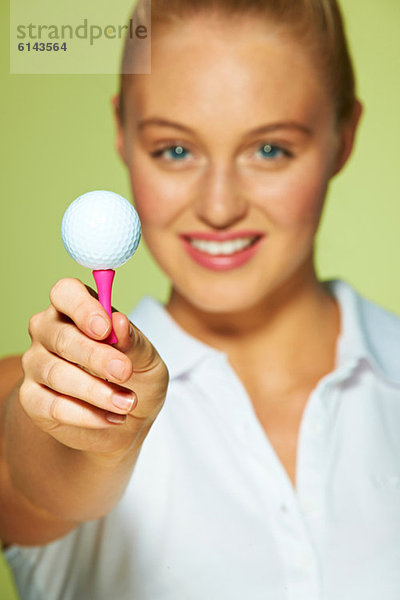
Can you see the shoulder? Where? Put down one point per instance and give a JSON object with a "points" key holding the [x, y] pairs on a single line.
{"points": [[380, 324], [381, 329]]}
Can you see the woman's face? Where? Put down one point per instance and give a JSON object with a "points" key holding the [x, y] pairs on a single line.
{"points": [[232, 135]]}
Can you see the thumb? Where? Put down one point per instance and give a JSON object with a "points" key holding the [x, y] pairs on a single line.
{"points": [[149, 377], [133, 343], [122, 327]]}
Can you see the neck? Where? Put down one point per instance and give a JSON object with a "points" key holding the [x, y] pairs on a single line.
{"points": [[293, 329]]}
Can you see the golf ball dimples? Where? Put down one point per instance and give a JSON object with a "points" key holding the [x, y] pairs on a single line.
{"points": [[101, 230]]}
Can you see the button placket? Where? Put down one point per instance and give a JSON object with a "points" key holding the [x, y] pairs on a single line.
{"points": [[311, 459], [296, 545], [302, 568], [245, 422]]}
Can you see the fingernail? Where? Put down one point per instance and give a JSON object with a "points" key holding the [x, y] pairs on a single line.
{"points": [[123, 401], [116, 368], [117, 419], [98, 325]]}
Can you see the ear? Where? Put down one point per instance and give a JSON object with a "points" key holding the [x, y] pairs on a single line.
{"points": [[346, 138], [119, 131]]}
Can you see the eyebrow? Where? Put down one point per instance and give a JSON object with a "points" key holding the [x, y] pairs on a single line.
{"points": [[155, 121]]}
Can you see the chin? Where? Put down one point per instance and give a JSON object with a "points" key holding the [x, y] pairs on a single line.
{"points": [[223, 298], [241, 294]]}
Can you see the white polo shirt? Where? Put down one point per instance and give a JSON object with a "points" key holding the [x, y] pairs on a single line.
{"points": [[210, 513]]}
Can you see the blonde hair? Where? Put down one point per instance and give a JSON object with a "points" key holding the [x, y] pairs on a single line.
{"points": [[316, 24]]}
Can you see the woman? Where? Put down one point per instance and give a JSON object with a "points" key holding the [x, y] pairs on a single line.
{"points": [[271, 470]]}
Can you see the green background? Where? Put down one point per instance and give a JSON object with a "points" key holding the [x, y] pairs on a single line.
{"points": [[57, 143]]}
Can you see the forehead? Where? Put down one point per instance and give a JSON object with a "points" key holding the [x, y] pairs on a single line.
{"points": [[221, 69]]}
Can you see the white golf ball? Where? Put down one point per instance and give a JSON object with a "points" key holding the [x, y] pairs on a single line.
{"points": [[101, 230]]}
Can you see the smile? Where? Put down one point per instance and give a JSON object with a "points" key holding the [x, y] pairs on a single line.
{"points": [[223, 248], [222, 251]]}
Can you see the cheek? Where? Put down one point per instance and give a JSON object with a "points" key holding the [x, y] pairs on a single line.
{"points": [[156, 198], [296, 199]]}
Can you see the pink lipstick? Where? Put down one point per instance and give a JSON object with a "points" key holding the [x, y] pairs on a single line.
{"points": [[234, 249]]}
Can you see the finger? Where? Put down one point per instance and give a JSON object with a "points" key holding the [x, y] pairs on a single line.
{"points": [[150, 375], [50, 410], [142, 353], [122, 329], [70, 297], [102, 360], [69, 380], [132, 342]]}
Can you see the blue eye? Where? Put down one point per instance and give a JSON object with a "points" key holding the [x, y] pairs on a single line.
{"points": [[173, 153], [269, 151]]}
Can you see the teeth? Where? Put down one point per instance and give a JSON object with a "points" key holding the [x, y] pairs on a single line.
{"points": [[228, 247]]}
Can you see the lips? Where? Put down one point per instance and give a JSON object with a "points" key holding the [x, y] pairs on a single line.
{"points": [[221, 236], [222, 250]]}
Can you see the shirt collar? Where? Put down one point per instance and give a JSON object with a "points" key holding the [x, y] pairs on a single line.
{"points": [[367, 332], [179, 350], [351, 343]]}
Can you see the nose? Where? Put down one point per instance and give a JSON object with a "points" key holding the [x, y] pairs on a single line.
{"points": [[220, 203]]}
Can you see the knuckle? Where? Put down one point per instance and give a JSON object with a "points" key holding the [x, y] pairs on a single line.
{"points": [[94, 391], [150, 358], [54, 409], [89, 356], [33, 402], [51, 374], [61, 341], [82, 308], [26, 396], [59, 286], [134, 335], [153, 356], [147, 351], [165, 373], [33, 325], [54, 290], [23, 392], [25, 360]]}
